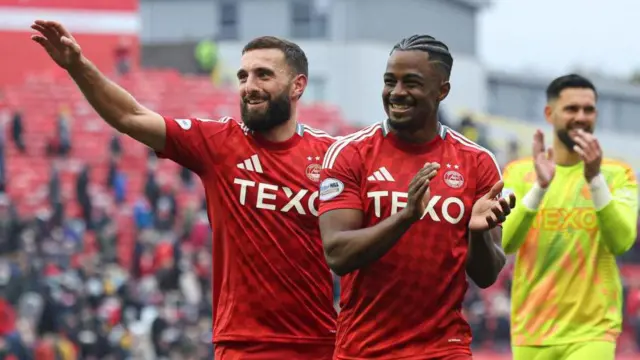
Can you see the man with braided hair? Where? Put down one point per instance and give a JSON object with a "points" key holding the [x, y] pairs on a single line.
{"points": [[408, 208]]}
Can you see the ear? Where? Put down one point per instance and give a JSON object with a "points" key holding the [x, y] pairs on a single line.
{"points": [[298, 86], [548, 110], [445, 87]]}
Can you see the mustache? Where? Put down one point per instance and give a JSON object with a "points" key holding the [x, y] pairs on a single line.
{"points": [[256, 96], [400, 100]]}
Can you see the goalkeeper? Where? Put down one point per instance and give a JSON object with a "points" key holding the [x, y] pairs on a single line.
{"points": [[578, 212]]}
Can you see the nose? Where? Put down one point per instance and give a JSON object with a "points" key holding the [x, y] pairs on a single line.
{"points": [[250, 85], [398, 90]]}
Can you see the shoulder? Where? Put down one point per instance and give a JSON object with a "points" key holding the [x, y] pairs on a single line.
{"points": [[224, 122], [520, 166], [463, 144], [316, 136], [352, 143], [614, 167]]}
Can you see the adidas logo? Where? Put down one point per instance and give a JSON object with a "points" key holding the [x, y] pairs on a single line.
{"points": [[381, 174], [251, 164]]}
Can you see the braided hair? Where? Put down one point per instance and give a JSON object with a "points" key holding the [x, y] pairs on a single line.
{"points": [[438, 52]]}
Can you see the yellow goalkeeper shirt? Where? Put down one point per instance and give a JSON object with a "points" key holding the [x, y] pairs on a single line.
{"points": [[566, 284]]}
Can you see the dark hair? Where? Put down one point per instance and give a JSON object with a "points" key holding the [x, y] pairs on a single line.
{"points": [[568, 82], [293, 54], [438, 52]]}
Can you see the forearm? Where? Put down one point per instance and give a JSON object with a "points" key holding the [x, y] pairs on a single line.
{"points": [[485, 259], [347, 251], [114, 104], [616, 220], [522, 217]]}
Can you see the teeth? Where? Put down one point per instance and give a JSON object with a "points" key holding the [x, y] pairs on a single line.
{"points": [[399, 106]]}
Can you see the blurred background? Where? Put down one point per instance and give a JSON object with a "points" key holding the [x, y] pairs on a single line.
{"points": [[105, 251]]}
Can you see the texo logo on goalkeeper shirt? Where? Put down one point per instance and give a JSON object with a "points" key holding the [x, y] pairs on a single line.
{"points": [[449, 209], [270, 196]]}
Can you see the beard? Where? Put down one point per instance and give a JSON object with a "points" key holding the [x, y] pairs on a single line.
{"points": [[565, 139], [278, 112]]}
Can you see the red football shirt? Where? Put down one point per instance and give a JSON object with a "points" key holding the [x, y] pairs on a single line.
{"points": [[270, 279], [407, 305]]}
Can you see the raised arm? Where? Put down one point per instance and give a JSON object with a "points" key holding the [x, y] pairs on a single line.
{"points": [[114, 104]]}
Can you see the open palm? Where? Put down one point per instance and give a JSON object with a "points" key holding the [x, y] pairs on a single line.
{"points": [[58, 43], [543, 161]]}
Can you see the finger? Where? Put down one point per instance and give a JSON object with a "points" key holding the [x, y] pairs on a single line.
{"points": [[431, 166], [421, 191], [538, 142], [504, 206], [432, 174], [44, 43], [499, 214], [491, 221], [580, 152], [512, 200], [495, 190], [417, 182], [424, 172], [49, 33], [550, 154], [59, 28]]}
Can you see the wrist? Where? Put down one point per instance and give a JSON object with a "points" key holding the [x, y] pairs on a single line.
{"points": [[408, 217], [533, 198], [600, 193], [79, 66]]}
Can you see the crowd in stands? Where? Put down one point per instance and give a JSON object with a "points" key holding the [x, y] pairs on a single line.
{"points": [[65, 294]]}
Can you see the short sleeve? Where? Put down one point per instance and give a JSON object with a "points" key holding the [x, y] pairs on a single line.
{"points": [[195, 142], [340, 179], [488, 174]]}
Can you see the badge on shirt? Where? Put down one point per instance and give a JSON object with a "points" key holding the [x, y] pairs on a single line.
{"points": [[185, 124], [330, 188]]}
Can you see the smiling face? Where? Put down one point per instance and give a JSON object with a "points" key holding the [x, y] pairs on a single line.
{"points": [[266, 84], [413, 88], [575, 108]]}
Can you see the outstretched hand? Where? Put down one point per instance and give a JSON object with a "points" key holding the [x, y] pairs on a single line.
{"points": [[491, 210], [58, 43]]}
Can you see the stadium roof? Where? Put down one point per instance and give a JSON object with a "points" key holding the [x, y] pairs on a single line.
{"points": [[605, 86], [477, 4]]}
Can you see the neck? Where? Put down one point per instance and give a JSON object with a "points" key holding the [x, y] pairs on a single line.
{"points": [[282, 132], [425, 133], [562, 155]]}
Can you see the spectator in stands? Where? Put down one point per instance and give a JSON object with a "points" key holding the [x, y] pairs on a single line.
{"points": [[17, 131], [513, 150], [64, 131], [470, 129], [166, 209], [3, 173], [206, 55], [55, 195], [10, 226], [61, 144], [83, 197]]}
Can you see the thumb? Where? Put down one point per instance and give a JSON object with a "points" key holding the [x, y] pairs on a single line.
{"points": [[495, 190], [550, 153]]}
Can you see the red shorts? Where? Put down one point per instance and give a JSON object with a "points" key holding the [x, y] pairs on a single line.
{"points": [[272, 351]]}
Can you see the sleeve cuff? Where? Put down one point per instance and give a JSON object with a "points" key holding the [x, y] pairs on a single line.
{"points": [[534, 197], [600, 193]]}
